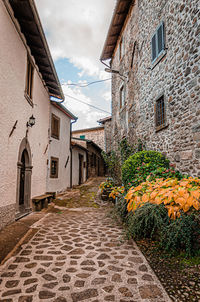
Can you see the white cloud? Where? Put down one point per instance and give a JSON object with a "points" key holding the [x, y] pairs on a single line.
{"points": [[87, 116], [76, 30]]}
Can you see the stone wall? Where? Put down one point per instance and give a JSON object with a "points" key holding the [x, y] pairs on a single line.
{"points": [[176, 76], [94, 134], [108, 136]]}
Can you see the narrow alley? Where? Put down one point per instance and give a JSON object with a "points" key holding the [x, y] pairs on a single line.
{"points": [[79, 254]]}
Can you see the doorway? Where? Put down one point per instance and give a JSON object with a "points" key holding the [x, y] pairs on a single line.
{"points": [[80, 168], [24, 171]]}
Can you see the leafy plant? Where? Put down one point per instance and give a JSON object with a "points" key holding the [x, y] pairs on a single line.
{"points": [[116, 192], [165, 173], [177, 196], [138, 166], [182, 234], [126, 150], [108, 184], [147, 221], [113, 163]]}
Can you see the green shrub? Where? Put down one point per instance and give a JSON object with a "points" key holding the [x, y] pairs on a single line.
{"points": [[138, 166], [165, 173], [147, 221], [182, 234]]}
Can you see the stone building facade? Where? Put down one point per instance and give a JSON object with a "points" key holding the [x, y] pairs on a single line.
{"points": [[156, 83], [95, 165], [95, 134], [106, 122]]}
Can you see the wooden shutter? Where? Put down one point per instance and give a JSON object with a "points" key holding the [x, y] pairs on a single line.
{"points": [[160, 38], [153, 47]]}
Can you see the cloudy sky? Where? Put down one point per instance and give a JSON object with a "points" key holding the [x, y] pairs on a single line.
{"points": [[76, 31]]}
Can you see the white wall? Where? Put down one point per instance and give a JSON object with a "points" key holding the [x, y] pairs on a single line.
{"points": [[60, 149], [14, 106], [75, 165]]}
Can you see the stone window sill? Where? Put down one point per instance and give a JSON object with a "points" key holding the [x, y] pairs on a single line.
{"points": [[162, 127], [161, 56]]}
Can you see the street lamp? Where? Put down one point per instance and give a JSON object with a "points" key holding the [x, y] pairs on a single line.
{"points": [[31, 121], [116, 72]]}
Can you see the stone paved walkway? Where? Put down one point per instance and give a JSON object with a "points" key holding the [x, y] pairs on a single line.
{"points": [[79, 255]]}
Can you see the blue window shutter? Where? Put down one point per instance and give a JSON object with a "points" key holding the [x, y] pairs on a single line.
{"points": [[153, 47], [160, 38]]}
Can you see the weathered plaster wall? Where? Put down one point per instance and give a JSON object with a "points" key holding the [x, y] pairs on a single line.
{"points": [[14, 106], [60, 149], [96, 135], [75, 165], [176, 75]]}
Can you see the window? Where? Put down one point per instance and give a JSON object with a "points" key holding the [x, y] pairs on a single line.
{"points": [[95, 160], [160, 113], [82, 136], [158, 42], [54, 167], [121, 48], [29, 80], [122, 96], [55, 126]]}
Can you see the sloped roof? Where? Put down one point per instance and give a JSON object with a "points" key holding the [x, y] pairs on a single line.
{"points": [[27, 16], [117, 22], [65, 110], [105, 119], [88, 129]]}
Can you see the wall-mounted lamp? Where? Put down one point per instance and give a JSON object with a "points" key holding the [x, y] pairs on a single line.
{"points": [[116, 72], [31, 121]]}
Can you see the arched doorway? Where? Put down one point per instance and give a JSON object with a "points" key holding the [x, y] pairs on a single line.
{"points": [[24, 170]]}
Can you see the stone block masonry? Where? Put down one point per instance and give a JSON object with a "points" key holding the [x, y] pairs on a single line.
{"points": [[7, 215], [175, 75]]}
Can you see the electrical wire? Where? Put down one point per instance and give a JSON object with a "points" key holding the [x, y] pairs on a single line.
{"points": [[86, 85], [80, 101]]}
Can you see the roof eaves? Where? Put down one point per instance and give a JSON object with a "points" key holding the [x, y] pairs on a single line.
{"points": [[65, 110], [25, 12], [119, 16]]}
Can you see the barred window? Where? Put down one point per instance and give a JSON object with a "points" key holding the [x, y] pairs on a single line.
{"points": [[54, 167], [160, 113]]}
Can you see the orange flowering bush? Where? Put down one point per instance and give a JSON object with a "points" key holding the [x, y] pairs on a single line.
{"points": [[176, 195], [116, 191]]}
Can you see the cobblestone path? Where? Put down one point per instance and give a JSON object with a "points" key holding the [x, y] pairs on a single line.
{"points": [[79, 255]]}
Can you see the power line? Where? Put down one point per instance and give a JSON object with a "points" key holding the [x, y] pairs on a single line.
{"points": [[80, 101], [85, 85]]}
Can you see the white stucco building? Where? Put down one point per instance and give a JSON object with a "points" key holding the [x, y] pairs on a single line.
{"points": [[27, 80], [59, 156]]}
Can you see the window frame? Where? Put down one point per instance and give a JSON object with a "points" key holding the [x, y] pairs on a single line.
{"points": [[56, 159], [122, 96], [121, 48], [164, 123], [158, 54], [28, 93], [53, 134]]}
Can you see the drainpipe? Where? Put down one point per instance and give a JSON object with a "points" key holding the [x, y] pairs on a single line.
{"points": [[71, 151]]}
